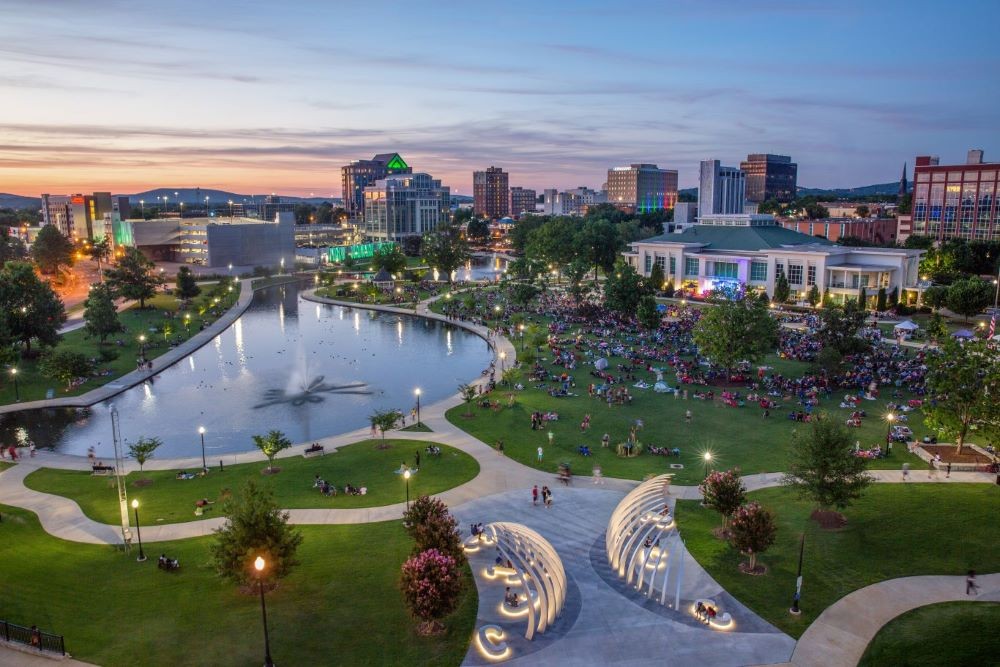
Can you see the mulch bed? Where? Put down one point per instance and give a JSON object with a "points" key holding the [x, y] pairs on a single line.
{"points": [[950, 455], [720, 533], [828, 519], [758, 569], [270, 471]]}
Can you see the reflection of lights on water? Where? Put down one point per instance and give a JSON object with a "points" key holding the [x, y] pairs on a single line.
{"points": [[318, 312], [399, 331], [238, 331], [147, 390], [357, 321], [281, 316], [447, 338], [191, 361]]}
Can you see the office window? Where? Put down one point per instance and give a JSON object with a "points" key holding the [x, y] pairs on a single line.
{"points": [[795, 274], [690, 266], [779, 269], [649, 263], [758, 271], [811, 275], [725, 270], [662, 261], [673, 265]]}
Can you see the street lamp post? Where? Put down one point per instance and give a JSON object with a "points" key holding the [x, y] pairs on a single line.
{"points": [[798, 579], [406, 478], [204, 465], [138, 533], [417, 392], [142, 346], [521, 328], [708, 462], [889, 418], [17, 391], [259, 566]]}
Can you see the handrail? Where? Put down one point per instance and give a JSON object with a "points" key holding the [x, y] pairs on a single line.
{"points": [[33, 637]]}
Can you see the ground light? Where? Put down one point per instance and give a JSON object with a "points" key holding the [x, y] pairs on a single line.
{"points": [[204, 464], [889, 418], [138, 532], [708, 462], [417, 392], [259, 566], [17, 391]]}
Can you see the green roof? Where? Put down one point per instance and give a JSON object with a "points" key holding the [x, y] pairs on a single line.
{"points": [[740, 238]]}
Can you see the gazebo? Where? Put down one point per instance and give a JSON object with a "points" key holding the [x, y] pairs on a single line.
{"points": [[905, 328], [963, 334], [383, 279]]}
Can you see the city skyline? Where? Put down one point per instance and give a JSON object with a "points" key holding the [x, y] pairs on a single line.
{"points": [[257, 99]]}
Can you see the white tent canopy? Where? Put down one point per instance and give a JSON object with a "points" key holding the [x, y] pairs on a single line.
{"points": [[907, 325]]}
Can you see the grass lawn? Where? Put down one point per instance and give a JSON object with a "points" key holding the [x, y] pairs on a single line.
{"points": [[734, 436], [895, 530], [4, 465], [401, 297], [340, 606], [148, 321], [170, 500], [952, 634]]}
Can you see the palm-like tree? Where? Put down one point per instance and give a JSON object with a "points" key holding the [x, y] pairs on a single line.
{"points": [[99, 252]]}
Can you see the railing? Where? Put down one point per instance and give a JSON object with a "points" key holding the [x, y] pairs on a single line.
{"points": [[35, 638]]}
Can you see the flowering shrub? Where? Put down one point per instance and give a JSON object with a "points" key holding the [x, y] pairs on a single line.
{"points": [[431, 584], [752, 530], [724, 492]]}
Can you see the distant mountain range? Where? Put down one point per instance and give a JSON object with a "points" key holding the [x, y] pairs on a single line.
{"points": [[189, 196], [836, 193], [17, 201]]}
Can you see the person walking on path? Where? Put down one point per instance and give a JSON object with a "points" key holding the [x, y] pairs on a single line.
{"points": [[547, 493], [906, 471], [540, 452], [598, 476], [499, 447], [947, 470], [971, 586], [534, 495], [416, 456]]}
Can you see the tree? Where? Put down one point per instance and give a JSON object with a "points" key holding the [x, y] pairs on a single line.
{"points": [[863, 299], [478, 230], [51, 251], [432, 584], [969, 297], [431, 526], [100, 313], [936, 328], [880, 300], [623, 289], [65, 365], [254, 527], [142, 449], [893, 300], [576, 272], [522, 230], [391, 259], [935, 296], [99, 251], [668, 290], [824, 467], [11, 247], [752, 531], [905, 204], [187, 288], [724, 492], [270, 445], [816, 211], [839, 328], [829, 359], [553, 242], [468, 392], [735, 330], [781, 289], [599, 243], [384, 420], [133, 277], [813, 297], [523, 293], [963, 382], [29, 308], [647, 314], [445, 249], [656, 277], [861, 211], [826, 298]]}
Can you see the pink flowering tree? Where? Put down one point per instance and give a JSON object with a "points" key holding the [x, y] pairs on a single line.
{"points": [[752, 530], [431, 585], [724, 492]]}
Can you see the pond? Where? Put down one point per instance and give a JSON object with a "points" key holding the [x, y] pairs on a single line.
{"points": [[307, 369]]}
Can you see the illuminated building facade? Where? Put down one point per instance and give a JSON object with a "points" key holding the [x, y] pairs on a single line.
{"points": [[490, 193], [770, 177], [642, 188], [404, 205], [358, 175], [955, 201]]}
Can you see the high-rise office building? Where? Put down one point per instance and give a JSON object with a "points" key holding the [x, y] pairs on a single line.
{"points": [[642, 187], [770, 177], [721, 190], [402, 205], [955, 201], [83, 217], [522, 200], [358, 175], [490, 193]]}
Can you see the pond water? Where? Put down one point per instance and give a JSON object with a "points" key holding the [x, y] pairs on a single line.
{"points": [[307, 369]]}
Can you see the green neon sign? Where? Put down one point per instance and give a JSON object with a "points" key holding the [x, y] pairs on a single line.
{"points": [[338, 254], [396, 164]]}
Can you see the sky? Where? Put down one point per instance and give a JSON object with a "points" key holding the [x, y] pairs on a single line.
{"points": [[261, 96]]}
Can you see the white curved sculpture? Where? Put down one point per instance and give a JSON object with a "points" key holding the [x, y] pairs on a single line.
{"points": [[640, 537], [537, 569]]}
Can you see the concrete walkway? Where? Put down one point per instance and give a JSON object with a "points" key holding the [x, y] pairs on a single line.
{"points": [[840, 635]]}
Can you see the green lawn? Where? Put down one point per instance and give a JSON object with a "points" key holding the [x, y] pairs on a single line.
{"points": [[950, 634], [149, 321], [895, 530], [4, 465], [340, 606], [734, 436], [171, 500], [363, 293]]}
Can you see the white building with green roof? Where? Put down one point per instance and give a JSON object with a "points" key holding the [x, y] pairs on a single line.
{"points": [[755, 249]]}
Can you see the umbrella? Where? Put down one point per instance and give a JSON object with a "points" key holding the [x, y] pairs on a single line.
{"points": [[962, 333], [601, 364]]}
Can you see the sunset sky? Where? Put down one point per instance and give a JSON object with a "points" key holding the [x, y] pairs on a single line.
{"points": [[260, 96]]}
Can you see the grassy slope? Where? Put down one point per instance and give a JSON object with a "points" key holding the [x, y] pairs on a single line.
{"points": [[169, 500], [735, 436], [33, 386], [952, 634], [341, 605], [893, 531]]}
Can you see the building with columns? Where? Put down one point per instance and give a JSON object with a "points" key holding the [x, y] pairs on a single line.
{"points": [[754, 250]]}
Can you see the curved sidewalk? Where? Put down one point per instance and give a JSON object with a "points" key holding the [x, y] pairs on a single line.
{"points": [[840, 635]]}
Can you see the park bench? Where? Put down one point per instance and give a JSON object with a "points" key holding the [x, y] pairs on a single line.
{"points": [[103, 470], [722, 621], [313, 450], [490, 640]]}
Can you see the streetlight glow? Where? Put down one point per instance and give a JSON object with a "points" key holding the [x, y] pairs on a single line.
{"points": [[135, 504], [259, 564]]}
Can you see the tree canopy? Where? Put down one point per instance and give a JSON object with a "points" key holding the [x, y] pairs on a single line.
{"points": [[736, 329], [445, 249], [963, 383], [840, 326], [623, 289], [187, 287], [100, 313], [29, 308], [824, 467], [134, 277], [969, 297], [391, 259], [51, 251]]}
